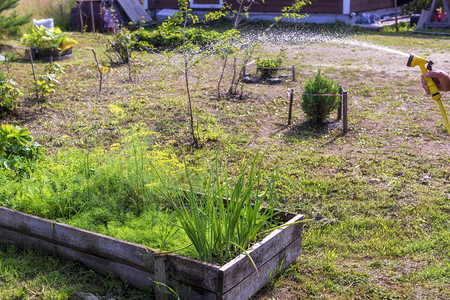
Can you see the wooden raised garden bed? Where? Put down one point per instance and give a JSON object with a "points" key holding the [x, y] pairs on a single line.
{"points": [[142, 266]]}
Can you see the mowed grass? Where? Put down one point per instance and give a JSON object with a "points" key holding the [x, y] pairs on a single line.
{"points": [[379, 196]]}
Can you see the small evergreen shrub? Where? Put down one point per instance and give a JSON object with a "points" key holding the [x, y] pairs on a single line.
{"points": [[318, 108], [8, 94]]}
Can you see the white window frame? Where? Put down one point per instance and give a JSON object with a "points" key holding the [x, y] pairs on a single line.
{"points": [[193, 5], [346, 7]]}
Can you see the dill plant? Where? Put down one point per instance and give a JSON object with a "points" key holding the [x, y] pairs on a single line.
{"points": [[112, 192]]}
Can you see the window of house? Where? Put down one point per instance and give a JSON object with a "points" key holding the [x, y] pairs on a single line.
{"points": [[206, 3]]}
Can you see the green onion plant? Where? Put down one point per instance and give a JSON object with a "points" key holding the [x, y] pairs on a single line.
{"points": [[225, 216]]}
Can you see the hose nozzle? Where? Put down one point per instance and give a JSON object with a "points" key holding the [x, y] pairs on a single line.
{"points": [[425, 66], [415, 60]]}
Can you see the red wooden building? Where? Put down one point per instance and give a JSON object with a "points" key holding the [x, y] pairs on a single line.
{"points": [[344, 7]]}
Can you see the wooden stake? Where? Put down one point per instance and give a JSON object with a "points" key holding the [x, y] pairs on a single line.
{"points": [[161, 278], [62, 12], [396, 16], [129, 63], [293, 72], [81, 17], [92, 16], [99, 72], [34, 73], [291, 100]]}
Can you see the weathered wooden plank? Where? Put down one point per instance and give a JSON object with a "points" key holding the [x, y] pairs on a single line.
{"points": [[191, 292], [241, 267], [78, 239], [317, 6], [134, 10], [129, 261], [135, 276], [250, 285], [193, 272], [370, 5]]}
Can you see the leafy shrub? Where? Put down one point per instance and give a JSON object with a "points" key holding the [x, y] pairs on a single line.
{"points": [[416, 6], [122, 45], [46, 83], [166, 36], [48, 39], [16, 145], [269, 64], [318, 108], [8, 93]]}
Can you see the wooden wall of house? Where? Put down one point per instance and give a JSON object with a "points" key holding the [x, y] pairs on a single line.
{"points": [[368, 5], [317, 6]]}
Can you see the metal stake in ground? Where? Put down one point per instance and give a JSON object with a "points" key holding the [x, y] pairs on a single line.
{"points": [[344, 112], [290, 106]]}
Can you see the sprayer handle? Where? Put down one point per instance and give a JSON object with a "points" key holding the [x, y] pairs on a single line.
{"points": [[434, 91]]}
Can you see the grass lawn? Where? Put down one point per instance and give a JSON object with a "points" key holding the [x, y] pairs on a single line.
{"points": [[379, 196]]}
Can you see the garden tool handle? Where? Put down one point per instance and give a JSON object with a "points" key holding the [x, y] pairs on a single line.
{"points": [[434, 91]]}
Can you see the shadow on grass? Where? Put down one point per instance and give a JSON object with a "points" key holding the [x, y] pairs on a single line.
{"points": [[312, 130]]}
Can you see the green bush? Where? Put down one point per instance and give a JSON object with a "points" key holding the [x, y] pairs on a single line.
{"points": [[416, 6], [318, 108], [270, 63], [16, 146], [8, 94], [46, 84], [172, 36], [122, 45]]}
